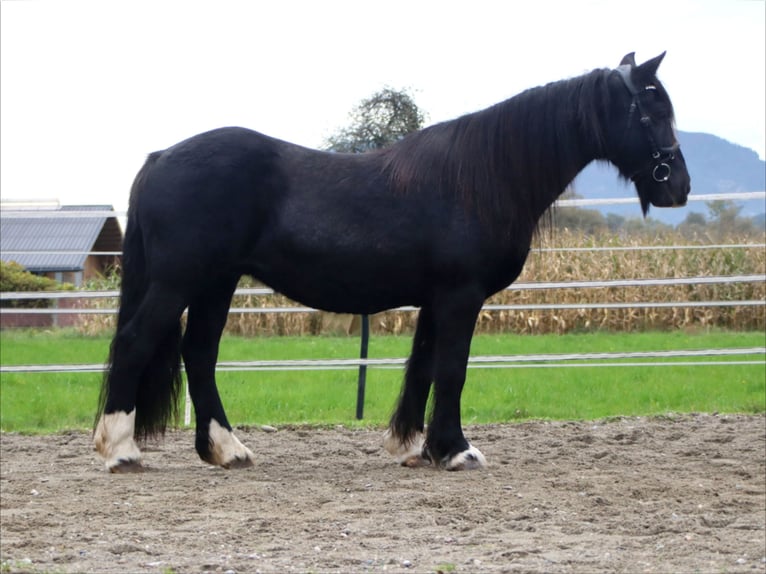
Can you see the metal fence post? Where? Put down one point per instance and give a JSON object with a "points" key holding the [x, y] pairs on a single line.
{"points": [[362, 368]]}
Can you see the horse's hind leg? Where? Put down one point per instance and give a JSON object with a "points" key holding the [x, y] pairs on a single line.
{"points": [[404, 437], [142, 348], [215, 441]]}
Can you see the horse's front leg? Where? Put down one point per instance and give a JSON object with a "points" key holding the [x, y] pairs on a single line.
{"points": [[455, 318], [215, 441], [404, 438]]}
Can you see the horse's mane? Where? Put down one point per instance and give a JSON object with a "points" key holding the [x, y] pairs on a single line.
{"points": [[516, 156]]}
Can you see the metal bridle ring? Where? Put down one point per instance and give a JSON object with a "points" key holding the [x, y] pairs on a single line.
{"points": [[663, 177]]}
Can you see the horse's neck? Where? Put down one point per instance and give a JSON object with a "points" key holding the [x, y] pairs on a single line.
{"points": [[566, 144]]}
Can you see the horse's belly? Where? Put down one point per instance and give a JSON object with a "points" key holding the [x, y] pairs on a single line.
{"points": [[342, 285], [348, 256]]}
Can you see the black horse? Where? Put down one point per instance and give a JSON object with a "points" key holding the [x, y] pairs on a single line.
{"points": [[440, 220]]}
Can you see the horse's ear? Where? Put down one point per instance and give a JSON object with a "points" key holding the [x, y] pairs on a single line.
{"points": [[629, 60], [649, 68]]}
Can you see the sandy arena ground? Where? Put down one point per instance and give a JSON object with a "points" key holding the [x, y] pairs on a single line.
{"points": [[672, 494]]}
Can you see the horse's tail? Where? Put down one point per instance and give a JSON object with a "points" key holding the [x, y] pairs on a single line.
{"points": [[159, 383]]}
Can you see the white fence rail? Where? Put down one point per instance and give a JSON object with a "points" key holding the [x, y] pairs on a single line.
{"points": [[704, 280], [31, 213], [481, 362], [534, 249]]}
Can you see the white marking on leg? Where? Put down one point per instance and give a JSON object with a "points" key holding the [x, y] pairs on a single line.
{"points": [[408, 453], [114, 441], [469, 459], [225, 448]]}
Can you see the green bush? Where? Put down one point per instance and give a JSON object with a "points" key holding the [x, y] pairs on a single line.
{"points": [[13, 277]]}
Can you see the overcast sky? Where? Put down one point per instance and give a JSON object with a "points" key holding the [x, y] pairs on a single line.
{"points": [[88, 88]]}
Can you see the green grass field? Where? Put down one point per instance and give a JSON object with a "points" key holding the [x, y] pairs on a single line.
{"points": [[48, 402]]}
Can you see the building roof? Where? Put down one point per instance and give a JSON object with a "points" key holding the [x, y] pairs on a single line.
{"points": [[38, 240]]}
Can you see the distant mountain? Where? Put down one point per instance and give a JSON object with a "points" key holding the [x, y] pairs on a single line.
{"points": [[715, 165]]}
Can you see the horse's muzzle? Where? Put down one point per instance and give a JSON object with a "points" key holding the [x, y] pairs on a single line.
{"points": [[672, 197], [669, 201]]}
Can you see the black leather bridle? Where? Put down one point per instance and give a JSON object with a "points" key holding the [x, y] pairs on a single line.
{"points": [[662, 156]]}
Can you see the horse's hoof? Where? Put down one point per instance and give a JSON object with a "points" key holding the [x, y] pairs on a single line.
{"points": [[225, 449], [470, 459], [235, 463], [113, 440], [408, 454], [126, 467], [416, 461]]}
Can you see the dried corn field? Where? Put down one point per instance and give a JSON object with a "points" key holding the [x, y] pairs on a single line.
{"points": [[561, 257], [605, 265]]}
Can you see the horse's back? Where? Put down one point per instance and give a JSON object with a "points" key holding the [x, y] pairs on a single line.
{"points": [[234, 201]]}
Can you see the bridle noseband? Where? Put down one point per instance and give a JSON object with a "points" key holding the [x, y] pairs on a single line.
{"points": [[661, 155]]}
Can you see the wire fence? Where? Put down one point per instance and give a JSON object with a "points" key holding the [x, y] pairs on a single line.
{"points": [[535, 361], [643, 359], [505, 362]]}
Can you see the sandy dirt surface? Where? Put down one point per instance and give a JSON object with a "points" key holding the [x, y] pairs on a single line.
{"points": [[673, 494]]}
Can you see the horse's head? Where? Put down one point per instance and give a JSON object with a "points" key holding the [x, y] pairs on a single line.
{"points": [[642, 140]]}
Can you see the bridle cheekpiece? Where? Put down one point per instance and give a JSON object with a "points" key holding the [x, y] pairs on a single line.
{"points": [[662, 156]]}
